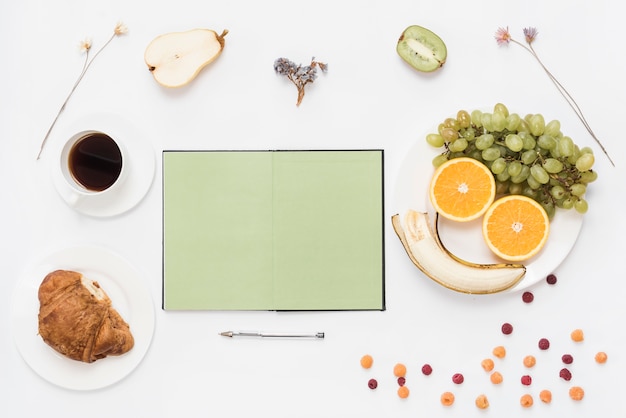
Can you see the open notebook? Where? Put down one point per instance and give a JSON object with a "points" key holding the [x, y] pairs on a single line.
{"points": [[273, 230]]}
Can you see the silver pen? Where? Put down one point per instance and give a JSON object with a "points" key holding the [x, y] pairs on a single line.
{"points": [[258, 334]]}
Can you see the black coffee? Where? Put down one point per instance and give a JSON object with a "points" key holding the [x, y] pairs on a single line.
{"points": [[95, 161]]}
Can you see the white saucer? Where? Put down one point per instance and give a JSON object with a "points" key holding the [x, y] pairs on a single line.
{"points": [[141, 166]]}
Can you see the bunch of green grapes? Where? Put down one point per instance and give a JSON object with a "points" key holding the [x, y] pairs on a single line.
{"points": [[526, 155]]}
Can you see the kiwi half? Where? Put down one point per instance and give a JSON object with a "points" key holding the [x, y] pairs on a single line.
{"points": [[422, 49]]}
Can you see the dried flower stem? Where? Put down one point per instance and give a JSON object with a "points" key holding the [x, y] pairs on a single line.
{"points": [[299, 75], [120, 29], [568, 97]]}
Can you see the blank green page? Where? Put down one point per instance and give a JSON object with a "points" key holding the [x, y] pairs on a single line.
{"points": [[273, 230]]}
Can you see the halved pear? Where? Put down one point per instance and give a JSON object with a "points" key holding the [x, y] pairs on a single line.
{"points": [[176, 58]]}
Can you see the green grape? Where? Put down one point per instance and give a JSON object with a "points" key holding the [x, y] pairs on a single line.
{"points": [[588, 176], [498, 165], [529, 140], [575, 154], [539, 174], [585, 162], [513, 122], [552, 165], [529, 192], [502, 187], [514, 142], [469, 134], [553, 128], [568, 203], [549, 208], [435, 140], [514, 168], [526, 155], [439, 159], [498, 121], [581, 206], [529, 157], [502, 177], [452, 123], [476, 154], [477, 118], [515, 188], [565, 146], [484, 141], [491, 153], [458, 145], [522, 176], [523, 126], [501, 109], [464, 118], [449, 134], [486, 121], [578, 189], [546, 142], [537, 124], [532, 183], [558, 192]]}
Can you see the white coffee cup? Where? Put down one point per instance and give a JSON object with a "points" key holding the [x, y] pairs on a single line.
{"points": [[92, 163]]}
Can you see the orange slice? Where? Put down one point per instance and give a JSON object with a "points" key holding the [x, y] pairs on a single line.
{"points": [[462, 189], [516, 227]]}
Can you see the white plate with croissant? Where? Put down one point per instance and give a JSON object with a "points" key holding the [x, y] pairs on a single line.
{"points": [[83, 318]]}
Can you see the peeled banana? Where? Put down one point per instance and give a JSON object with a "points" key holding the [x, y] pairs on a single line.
{"points": [[425, 249]]}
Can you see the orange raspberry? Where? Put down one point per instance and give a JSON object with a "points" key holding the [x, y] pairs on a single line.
{"points": [[545, 396], [403, 392], [399, 370], [496, 378], [576, 393], [447, 398], [482, 402], [526, 401], [601, 357], [487, 364], [499, 351], [367, 361], [529, 361], [577, 335]]}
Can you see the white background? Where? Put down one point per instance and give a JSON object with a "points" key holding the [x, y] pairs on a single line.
{"points": [[369, 99]]}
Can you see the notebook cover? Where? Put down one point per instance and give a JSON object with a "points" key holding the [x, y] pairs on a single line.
{"points": [[273, 230]]}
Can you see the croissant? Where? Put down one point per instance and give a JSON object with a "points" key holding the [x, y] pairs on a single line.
{"points": [[76, 318]]}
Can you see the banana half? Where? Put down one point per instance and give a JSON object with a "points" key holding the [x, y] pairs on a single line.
{"points": [[427, 252]]}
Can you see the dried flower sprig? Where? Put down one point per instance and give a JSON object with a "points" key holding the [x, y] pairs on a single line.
{"points": [[85, 47], [503, 37], [299, 75]]}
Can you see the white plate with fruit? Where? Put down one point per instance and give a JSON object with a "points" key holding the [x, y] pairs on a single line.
{"points": [[464, 240]]}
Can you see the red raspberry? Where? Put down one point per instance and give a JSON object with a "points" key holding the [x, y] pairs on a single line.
{"points": [[427, 369], [526, 380], [528, 297], [372, 384], [458, 378], [565, 374], [401, 381], [567, 359], [544, 344], [507, 328]]}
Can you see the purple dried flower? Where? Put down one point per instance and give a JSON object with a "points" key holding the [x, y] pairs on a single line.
{"points": [[299, 75]]}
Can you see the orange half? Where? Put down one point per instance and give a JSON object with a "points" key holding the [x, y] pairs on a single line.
{"points": [[462, 189], [516, 227]]}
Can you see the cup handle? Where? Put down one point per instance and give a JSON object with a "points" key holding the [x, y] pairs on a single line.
{"points": [[73, 198]]}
